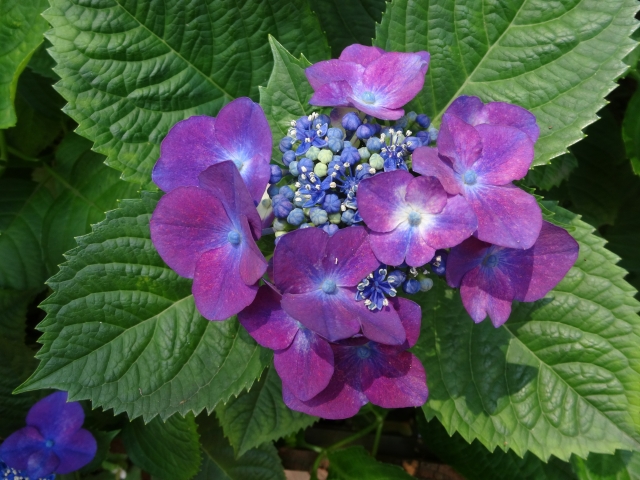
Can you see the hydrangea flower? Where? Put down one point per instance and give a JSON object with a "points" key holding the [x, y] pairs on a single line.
{"points": [[240, 133], [303, 359], [366, 371], [8, 473], [481, 150], [318, 274], [53, 440], [490, 277], [208, 233], [411, 217], [374, 81]]}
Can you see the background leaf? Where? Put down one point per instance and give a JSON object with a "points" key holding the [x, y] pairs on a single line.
{"points": [[621, 466], [560, 377], [21, 30], [219, 462], [557, 59], [168, 450], [122, 329], [553, 174], [631, 131], [354, 463], [153, 63], [259, 415]]}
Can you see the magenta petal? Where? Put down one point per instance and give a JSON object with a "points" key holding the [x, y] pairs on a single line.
{"points": [[507, 216], [427, 162], [77, 452], [392, 248], [348, 257], [339, 400], [426, 195], [382, 326], [467, 108], [463, 258], [184, 153], [360, 54], [224, 181], [381, 199], [243, 136], [332, 71], [455, 223], [306, 366], [487, 291], [218, 289], [381, 112], [401, 382], [459, 142], [332, 94], [267, 322], [56, 418], [500, 113], [42, 463], [187, 222], [19, 446], [297, 260], [410, 315], [507, 154], [252, 262]]}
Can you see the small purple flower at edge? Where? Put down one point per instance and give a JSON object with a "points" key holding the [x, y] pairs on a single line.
{"points": [[481, 150], [490, 277], [368, 78], [53, 440]]}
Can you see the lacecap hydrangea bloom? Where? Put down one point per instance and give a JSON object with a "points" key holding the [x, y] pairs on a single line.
{"points": [[359, 211], [52, 442]]}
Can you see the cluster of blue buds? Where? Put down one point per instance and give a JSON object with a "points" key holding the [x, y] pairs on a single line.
{"points": [[8, 473], [324, 165]]}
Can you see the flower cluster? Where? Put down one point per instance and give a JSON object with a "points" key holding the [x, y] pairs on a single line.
{"points": [[360, 210]]}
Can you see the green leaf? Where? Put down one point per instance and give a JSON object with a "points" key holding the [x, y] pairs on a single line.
{"points": [[557, 59], [42, 63], [259, 415], [88, 188], [624, 238], [348, 22], [560, 377], [169, 450], [23, 205], [21, 30], [621, 466], [631, 131], [219, 462], [475, 462], [122, 328], [553, 174], [157, 62], [354, 463], [286, 96]]}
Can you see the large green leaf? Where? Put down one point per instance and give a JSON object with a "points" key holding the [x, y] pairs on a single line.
{"points": [[631, 131], [475, 462], [23, 205], [558, 59], [131, 69], [87, 188], [621, 466], [122, 328], [219, 462], [562, 376], [354, 463], [167, 450], [286, 96], [545, 177], [259, 415], [21, 29], [348, 22]]}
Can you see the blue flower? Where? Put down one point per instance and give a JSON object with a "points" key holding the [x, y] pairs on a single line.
{"points": [[395, 152], [375, 289], [308, 134]]}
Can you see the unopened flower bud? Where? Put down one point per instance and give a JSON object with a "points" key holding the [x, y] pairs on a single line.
{"points": [[376, 161], [335, 145], [335, 133], [312, 153], [423, 120], [364, 153], [296, 217], [318, 216], [276, 174], [426, 284], [288, 157], [351, 121], [374, 144], [325, 156], [293, 169], [320, 169], [286, 144]]}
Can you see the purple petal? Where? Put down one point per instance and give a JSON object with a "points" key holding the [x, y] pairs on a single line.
{"points": [[507, 154], [500, 113], [405, 243], [459, 142], [76, 452], [455, 223], [267, 322], [399, 382], [463, 258], [184, 153], [42, 463], [297, 260], [507, 216], [348, 257], [381, 199], [383, 326], [244, 137], [224, 181], [410, 315], [381, 112], [426, 195], [427, 162], [333, 71], [252, 263], [306, 366], [332, 94], [361, 54], [54, 417], [339, 400], [487, 291], [467, 108], [20, 445]]}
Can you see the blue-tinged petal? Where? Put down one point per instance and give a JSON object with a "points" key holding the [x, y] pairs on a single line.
{"points": [[42, 463], [76, 452], [56, 418], [18, 447], [507, 154]]}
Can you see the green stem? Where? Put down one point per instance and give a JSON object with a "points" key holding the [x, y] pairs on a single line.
{"points": [[21, 155], [376, 440], [3, 147]]}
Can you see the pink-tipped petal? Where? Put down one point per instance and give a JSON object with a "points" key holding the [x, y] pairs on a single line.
{"points": [[306, 366], [500, 113], [77, 452], [410, 315], [184, 153], [507, 154], [360, 54], [467, 108], [455, 223], [400, 383], [381, 199], [487, 291], [507, 216], [333, 71], [332, 94], [427, 162], [459, 142]]}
